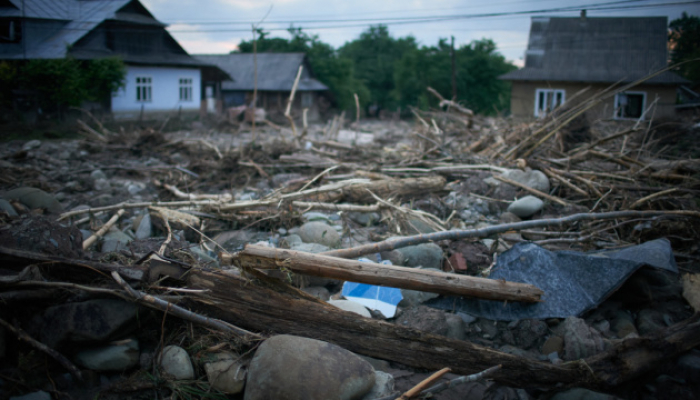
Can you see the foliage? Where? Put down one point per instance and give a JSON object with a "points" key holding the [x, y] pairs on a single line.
{"points": [[334, 72], [684, 41], [64, 82]]}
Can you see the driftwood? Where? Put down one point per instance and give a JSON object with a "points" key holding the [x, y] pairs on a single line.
{"points": [[255, 256], [392, 188], [272, 306]]}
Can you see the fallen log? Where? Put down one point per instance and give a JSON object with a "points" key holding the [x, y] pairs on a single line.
{"points": [[267, 305], [262, 257], [392, 187]]}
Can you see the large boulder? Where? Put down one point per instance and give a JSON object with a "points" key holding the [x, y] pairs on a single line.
{"points": [[295, 368], [34, 198]]}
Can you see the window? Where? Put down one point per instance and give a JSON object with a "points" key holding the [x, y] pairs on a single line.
{"points": [[144, 88], [185, 89], [547, 100], [630, 105], [10, 31], [307, 99]]}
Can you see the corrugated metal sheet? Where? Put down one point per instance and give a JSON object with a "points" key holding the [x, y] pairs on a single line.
{"points": [[600, 50], [276, 71]]}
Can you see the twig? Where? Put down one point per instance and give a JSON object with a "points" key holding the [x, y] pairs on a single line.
{"points": [[414, 391], [458, 381], [22, 335], [288, 111], [651, 197], [127, 205], [190, 196], [357, 109], [92, 239], [531, 190], [159, 304]]}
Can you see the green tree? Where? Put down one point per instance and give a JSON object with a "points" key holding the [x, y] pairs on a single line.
{"points": [[334, 72], [374, 56], [684, 41]]}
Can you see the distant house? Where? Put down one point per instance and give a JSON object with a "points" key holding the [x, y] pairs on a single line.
{"points": [[565, 55], [160, 75], [276, 74]]}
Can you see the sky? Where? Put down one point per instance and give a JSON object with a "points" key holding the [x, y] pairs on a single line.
{"points": [[217, 26]]}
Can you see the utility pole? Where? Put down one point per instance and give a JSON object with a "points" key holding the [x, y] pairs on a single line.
{"points": [[454, 72]]}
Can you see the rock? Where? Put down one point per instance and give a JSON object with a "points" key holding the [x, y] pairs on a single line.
{"points": [[295, 368], [691, 290], [553, 344], [351, 306], [582, 394], [234, 241], [176, 362], [319, 292], [226, 372], [321, 233], [426, 255], [531, 178], [143, 227], [455, 327], [289, 242], [623, 324], [7, 207], [310, 247], [508, 218], [417, 226], [98, 174], [649, 321], [114, 241], [114, 357], [377, 364], [97, 320], [32, 144], [689, 366], [135, 188], [204, 257], [42, 235], [40, 395], [316, 216], [395, 256], [428, 319], [364, 219], [34, 198], [383, 386], [526, 206], [528, 332], [101, 184], [580, 341], [415, 297], [468, 319]]}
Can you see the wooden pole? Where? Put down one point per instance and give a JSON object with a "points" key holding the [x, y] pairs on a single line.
{"points": [[262, 257], [454, 71]]}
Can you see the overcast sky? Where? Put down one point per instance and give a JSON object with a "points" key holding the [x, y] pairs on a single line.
{"points": [[217, 26]]}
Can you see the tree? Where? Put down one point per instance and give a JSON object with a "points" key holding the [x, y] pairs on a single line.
{"points": [[334, 72], [684, 42]]}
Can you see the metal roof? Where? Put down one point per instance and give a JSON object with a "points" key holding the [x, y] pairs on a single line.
{"points": [[276, 71], [596, 50]]}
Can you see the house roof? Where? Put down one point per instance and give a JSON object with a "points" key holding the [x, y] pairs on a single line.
{"points": [[276, 71], [83, 16], [596, 50]]}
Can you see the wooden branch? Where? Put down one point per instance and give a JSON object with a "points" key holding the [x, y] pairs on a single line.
{"points": [[425, 383], [127, 205], [652, 197], [531, 190], [191, 196], [276, 307], [290, 101], [492, 230], [262, 257], [92, 239]]}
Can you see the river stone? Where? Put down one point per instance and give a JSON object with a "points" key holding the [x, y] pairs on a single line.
{"points": [[351, 306], [88, 321], [226, 372], [532, 178], [383, 386], [114, 357], [582, 394], [318, 292], [580, 341], [32, 144], [34, 198], [426, 255], [526, 206], [7, 207], [176, 362], [143, 226], [364, 218], [296, 368], [114, 241], [319, 232]]}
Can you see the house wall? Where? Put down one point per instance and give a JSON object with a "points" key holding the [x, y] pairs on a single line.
{"points": [[275, 102], [522, 100], [165, 91]]}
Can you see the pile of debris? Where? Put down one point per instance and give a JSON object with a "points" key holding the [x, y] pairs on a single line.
{"points": [[519, 260]]}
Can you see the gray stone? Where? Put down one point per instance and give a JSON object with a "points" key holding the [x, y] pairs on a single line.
{"points": [[35, 198], [415, 297], [234, 241], [468, 319], [204, 257], [144, 227], [649, 320], [532, 178], [114, 357], [89, 321], [290, 241], [582, 394], [226, 372], [553, 344], [295, 368], [32, 144], [312, 216], [377, 364], [455, 327], [363, 218], [417, 226], [101, 184], [623, 324], [526, 206], [580, 341], [114, 241], [135, 188], [310, 247], [351, 306], [426, 255], [7, 207], [98, 174], [319, 292], [321, 233], [40, 395], [383, 386], [689, 366], [176, 362]]}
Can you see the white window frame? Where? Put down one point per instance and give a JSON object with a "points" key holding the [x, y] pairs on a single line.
{"points": [[619, 110], [144, 89], [542, 111], [185, 85]]}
